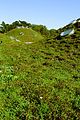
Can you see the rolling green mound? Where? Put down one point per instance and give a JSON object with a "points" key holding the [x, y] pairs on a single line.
{"points": [[40, 81], [24, 35]]}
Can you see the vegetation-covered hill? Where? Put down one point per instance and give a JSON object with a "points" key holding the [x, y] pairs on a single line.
{"points": [[40, 81], [24, 35]]}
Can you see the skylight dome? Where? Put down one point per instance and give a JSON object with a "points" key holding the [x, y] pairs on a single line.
{"points": [[67, 32]]}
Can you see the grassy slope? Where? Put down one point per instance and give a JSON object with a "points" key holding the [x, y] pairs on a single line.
{"points": [[25, 35], [40, 81]]}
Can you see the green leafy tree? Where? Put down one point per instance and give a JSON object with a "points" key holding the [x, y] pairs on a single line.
{"points": [[41, 29], [15, 24], [53, 32], [23, 23], [3, 28]]}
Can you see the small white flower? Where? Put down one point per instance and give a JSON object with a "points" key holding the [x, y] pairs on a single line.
{"points": [[0, 71], [41, 97]]}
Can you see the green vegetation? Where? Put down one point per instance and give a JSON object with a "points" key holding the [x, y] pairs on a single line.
{"points": [[24, 35], [4, 28], [39, 81]]}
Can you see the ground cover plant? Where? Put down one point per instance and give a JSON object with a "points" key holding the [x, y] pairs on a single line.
{"points": [[39, 81]]}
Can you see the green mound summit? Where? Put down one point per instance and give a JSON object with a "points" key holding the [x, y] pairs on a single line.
{"points": [[24, 35]]}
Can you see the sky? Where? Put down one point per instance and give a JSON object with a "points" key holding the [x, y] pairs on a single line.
{"points": [[51, 13]]}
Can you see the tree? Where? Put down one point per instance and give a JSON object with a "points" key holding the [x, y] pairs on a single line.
{"points": [[3, 27], [41, 29], [15, 24], [23, 23], [53, 32]]}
